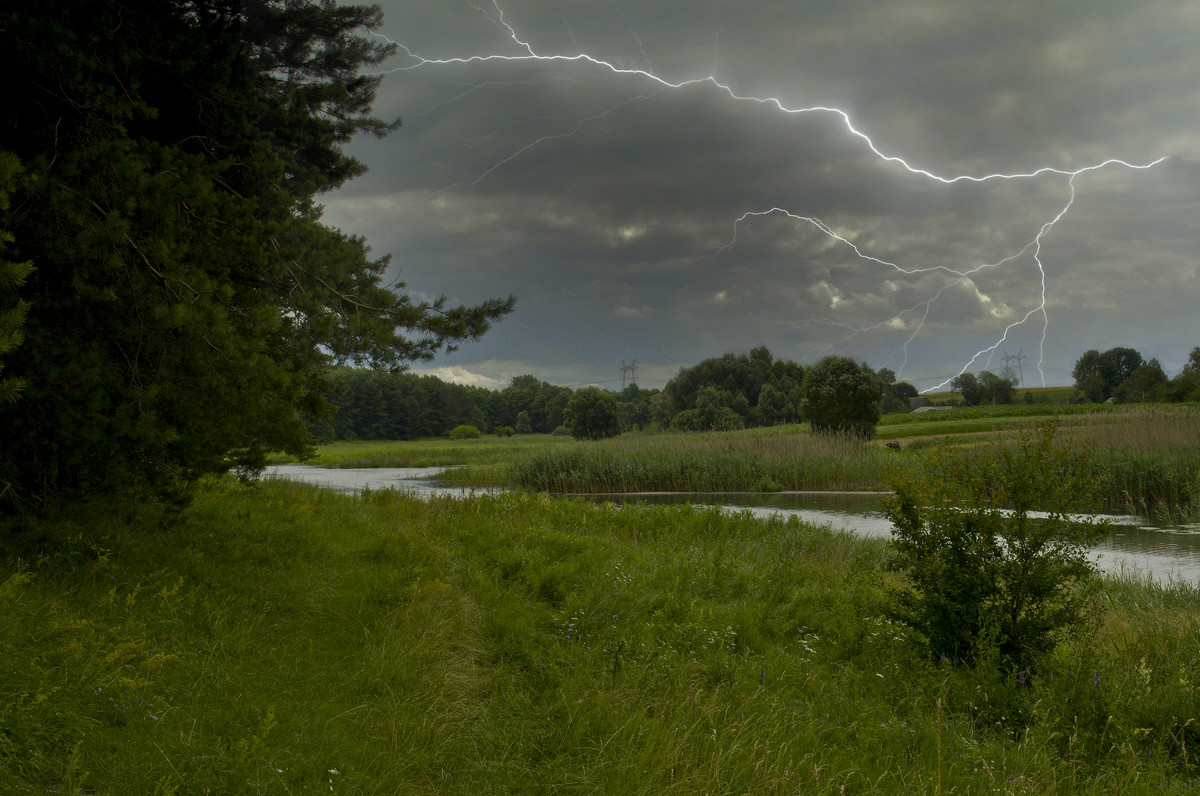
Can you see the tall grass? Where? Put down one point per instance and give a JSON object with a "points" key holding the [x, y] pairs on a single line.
{"points": [[280, 639], [434, 452], [1148, 458], [761, 460]]}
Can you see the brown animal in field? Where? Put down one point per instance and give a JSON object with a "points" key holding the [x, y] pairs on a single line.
{"points": [[894, 445]]}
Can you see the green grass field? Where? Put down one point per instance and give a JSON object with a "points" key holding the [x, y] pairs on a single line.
{"points": [[281, 639], [277, 638]]}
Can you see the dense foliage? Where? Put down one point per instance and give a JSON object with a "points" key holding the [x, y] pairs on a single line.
{"points": [[542, 402], [1123, 375], [382, 405], [985, 580], [373, 404], [592, 413], [733, 391], [1098, 374], [12, 276], [986, 388], [186, 297], [840, 396]]}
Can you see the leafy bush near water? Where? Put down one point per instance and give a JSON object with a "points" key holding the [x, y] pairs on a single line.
{"points": [[983, 577]]}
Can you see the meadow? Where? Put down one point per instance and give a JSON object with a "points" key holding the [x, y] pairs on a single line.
{"points": [[279, 638]]}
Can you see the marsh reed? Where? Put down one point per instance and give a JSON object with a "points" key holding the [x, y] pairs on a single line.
{"points": [[766, 460], [1147, 458]]}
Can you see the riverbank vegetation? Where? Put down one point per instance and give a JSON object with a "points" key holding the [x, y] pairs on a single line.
{"points": [[1147, 458], [280, 638], [757, 460]]}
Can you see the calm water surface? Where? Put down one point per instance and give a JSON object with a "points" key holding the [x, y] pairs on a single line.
{"points": [[1166, 553]]}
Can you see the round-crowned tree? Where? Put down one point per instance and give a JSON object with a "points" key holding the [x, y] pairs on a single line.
{"points": [[840, 396], [592, 413]]}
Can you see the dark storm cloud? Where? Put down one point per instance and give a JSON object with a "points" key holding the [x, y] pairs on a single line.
{"points": [[609, 203]]}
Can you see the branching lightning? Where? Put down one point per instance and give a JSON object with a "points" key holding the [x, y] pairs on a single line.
{"points": [[528, 54]]}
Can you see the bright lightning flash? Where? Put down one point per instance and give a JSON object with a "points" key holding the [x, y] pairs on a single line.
{"points": [[658, 84]]}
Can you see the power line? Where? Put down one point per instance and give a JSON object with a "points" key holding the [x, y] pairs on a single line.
{"points": [[1019, 357], [632, 369]]}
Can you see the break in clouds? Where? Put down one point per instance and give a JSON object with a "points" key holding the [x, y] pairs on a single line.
{"points": [[610, 203]]}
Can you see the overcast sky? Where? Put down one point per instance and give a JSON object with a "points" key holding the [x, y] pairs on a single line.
{"points": [[656, 180]]}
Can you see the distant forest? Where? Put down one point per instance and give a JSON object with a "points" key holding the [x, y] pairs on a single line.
{"points": [[722, 393], [726, 392]]}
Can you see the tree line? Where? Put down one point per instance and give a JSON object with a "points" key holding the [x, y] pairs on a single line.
{"points": [[729, 392], [1120, 375], [1123, 375], [720, 393]]}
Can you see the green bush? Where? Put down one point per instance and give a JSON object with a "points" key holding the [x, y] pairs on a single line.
{"points": [[984, 578], [465, 432], [505, 431]]}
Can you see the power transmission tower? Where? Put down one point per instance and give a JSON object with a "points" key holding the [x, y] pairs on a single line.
{"points": [[1019, 357], [631, 369]]}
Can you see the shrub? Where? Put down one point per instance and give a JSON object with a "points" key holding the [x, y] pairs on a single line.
{"points": [[505, 431], [984, 577], [465, 432]]}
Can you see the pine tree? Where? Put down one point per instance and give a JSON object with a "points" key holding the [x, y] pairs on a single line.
{"points": [[187, 300], [12, 276]]}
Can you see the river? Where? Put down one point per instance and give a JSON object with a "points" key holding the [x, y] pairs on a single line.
{"points": [[1164, 553]]}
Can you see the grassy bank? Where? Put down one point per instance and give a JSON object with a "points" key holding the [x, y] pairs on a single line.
{"points": [[281, 639], [435, 452], [759, 460], [1147, 457]]}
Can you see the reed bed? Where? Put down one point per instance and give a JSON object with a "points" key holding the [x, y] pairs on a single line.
{"points": [[765, 460], [1145, 427], [1147, 458]]}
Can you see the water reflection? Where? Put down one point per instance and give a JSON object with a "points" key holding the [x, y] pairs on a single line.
{"points": [[1170, 553], [417, 480]]}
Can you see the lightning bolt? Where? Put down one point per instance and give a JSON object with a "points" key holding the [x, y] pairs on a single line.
{"points": [[528, 54]]}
